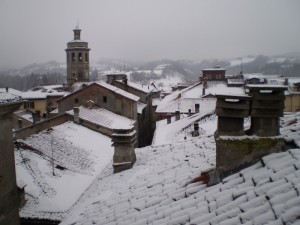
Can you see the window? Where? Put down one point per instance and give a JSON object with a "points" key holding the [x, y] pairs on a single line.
{"points": [[104, 99], [76, 100], [80, 57], [73, 57], [29, 104]]}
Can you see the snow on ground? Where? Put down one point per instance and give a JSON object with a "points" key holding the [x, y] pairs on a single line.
{"points": [[80, 154], [161, 188]]}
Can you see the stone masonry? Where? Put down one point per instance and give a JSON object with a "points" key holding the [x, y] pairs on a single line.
{"points": [[237, 148], [9, 200]]}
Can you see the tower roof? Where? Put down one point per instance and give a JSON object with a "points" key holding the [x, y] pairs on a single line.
{"points": [[77, 28]]}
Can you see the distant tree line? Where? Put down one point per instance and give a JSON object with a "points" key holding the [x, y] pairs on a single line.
{"points": [[25, 82]]}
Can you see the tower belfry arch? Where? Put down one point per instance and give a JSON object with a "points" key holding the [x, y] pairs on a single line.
{"points": [[77, 59]]}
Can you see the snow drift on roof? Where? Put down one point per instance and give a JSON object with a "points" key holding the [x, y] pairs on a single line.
{"points": [[9, 98], [104, 118], [80, 155]]}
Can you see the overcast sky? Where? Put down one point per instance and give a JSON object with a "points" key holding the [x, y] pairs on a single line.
{"points": [[38, 30]]}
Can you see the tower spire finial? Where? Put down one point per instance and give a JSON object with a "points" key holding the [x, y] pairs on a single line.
{"points": [[77, 24]]}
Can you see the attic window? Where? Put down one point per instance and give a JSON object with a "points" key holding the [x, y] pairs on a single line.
{"points": [[28, 104], [104, 99]]}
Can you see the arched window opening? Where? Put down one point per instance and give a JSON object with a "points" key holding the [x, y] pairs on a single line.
{"points": [[73, 57], [80, 57]]}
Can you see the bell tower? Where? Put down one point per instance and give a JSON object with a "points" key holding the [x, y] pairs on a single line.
{"points": [[77, 59]]}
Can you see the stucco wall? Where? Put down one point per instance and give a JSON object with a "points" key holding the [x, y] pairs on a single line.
{"points": [[292, 103]]}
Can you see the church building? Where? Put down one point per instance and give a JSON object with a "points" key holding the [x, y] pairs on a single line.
{"points": [[77, 59]]}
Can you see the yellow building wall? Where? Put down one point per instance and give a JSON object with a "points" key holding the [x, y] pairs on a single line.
{"points": [[39, 105], [292, 103]]}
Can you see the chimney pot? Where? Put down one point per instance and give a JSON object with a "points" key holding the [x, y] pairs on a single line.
{"points": [[76, 115], [177, 115]]}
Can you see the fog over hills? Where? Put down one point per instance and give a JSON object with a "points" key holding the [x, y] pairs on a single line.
{"points": [[161, 71]]}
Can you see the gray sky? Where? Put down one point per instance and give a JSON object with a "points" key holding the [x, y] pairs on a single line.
{"points": [[38, 30]]}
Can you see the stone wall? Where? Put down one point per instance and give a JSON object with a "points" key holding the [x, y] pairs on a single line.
{"points": [[233, 155], [103, 97], [9, 199], [237, 148]]}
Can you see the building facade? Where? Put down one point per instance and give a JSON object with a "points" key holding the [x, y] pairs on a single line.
{"points": [[77, 59], [214, 74]]}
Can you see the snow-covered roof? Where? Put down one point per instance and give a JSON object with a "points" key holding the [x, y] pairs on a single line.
{"points": [[25, 114], [140, 107], [156, 101], [165, 190], [144, 88], [214, 69], [119, 91], [169, 133], [41, 92], [184, 104], [104, 118], [80, 153], [9, 98], [11, 91]]}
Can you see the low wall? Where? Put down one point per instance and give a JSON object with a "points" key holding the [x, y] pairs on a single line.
{"points": [[42, 125]]}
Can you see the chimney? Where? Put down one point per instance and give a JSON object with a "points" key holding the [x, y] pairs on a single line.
{"points": [[20, 123], [190, 112], [38, 115], [286, 81], [197, 108], [76, 115], [196, 130], [168, 119], [125, 80], [33, 117], [177, 115], [6, 89], [203, 91]]}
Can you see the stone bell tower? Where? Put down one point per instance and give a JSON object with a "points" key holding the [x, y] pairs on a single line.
{"points": [[77, 59]]}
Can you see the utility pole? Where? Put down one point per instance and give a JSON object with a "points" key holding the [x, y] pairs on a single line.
{"points": [[52, 156]]}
